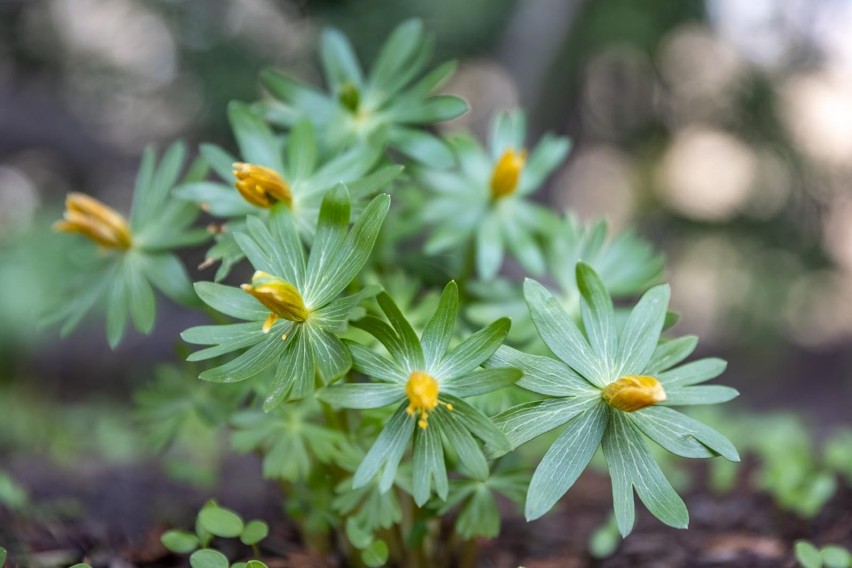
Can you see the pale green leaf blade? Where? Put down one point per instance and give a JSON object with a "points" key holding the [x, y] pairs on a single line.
{"points": [[682, 435], [642, 331], [362, 395], [561, 334], [439, 330], [566, 459], [474, 350], [541, 374]]}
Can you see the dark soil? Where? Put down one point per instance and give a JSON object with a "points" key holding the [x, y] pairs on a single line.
{"points": [[114, 516]]}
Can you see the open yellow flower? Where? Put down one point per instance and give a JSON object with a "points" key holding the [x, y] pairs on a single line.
{"points": [[422, 392], [261, 186], [88, 216]]}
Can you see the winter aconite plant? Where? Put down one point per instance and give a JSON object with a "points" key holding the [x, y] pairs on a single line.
{"points": [[385, 390]]}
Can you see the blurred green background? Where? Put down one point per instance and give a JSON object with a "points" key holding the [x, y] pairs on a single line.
{"points": [[721, 129]]}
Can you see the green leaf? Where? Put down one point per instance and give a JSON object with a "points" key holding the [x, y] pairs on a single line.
{"points": [[481, 381], [386, 451], [834, 556], [330, 355], [711, 394], [412, 350], [431, 81], [439, 330], [530, 420], [353, 254], [474, 350], [386, 336], [605, 539], [153, 186], [433, 109], [208, 558], [331, 232], [221, 522], [358, 536], [458, 437], [256, 141], [480, 516], [548, 154], [631, 465], [143, 308], [250, 363], [670, 353], [169, 276], [179, 542], [254, 532], [254, 564], [808, 555], [2, 556], [231, 301], [374, 365], [421, 147], [541, 374], [428, 458], [489, 248], [362, 395], [308, 100], [301, 150], [294, 376], [396, 52], [288, 248], [561, 334], [693, 373], [221, 161], [598, 314], [566, 459], [338, 60], [117, 310], [681, 434], [376, 554], [478, 423], [507, 132], [642, 331]]}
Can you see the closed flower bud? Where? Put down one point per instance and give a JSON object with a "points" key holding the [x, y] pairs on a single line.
{"points": [[633, 393], [88, 216], [281, 297], [507, 173], [261, 186], [349, 96]]}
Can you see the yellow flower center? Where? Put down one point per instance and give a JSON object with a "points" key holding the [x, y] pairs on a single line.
{"points": [[632, 393], [261, 186], [422, 392], [281, 297], [88, 216], [507, 173]]}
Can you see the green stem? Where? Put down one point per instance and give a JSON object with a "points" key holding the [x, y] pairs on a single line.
{"points": [[468, 554]]}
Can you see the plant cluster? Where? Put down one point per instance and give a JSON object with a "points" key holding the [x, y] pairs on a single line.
{"points": [[829, 556], [369, 354]]}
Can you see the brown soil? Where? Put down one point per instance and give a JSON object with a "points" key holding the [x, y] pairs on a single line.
{"points": [[114, 517]]}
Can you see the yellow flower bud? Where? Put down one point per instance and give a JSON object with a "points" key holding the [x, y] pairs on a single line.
{"points": [[88, 216], [281, 297], [507, 173], [422, 392], [261, 186], [633, 393]]}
